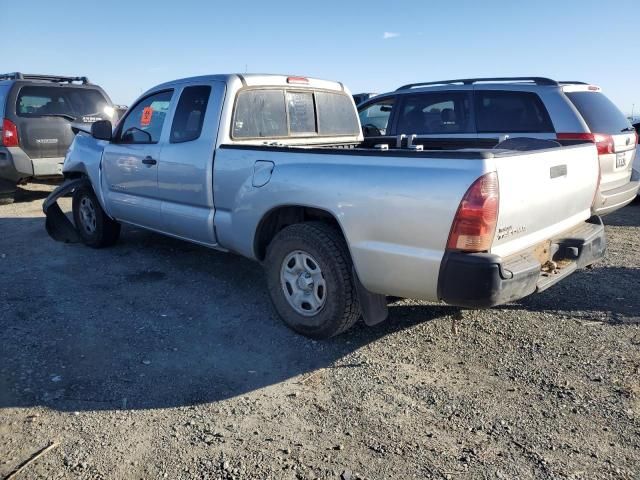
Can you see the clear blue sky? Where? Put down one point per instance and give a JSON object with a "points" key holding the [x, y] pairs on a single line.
{"points": [[129, 46]]}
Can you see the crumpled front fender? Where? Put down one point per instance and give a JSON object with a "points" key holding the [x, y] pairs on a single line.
{"points": [[58, 225]]}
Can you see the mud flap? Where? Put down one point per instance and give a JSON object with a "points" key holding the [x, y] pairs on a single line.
{"points": [[57, 224], [373, 305]]}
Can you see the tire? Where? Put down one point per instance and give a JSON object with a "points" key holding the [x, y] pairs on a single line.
{"points": [[308, 244], [94, 226]]}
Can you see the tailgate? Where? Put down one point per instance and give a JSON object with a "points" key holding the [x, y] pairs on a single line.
{"points": [[616, 167], [46, 137], [542, 194]]}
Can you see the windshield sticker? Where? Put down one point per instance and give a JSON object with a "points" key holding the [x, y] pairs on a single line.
{"points": [[147, 113]]}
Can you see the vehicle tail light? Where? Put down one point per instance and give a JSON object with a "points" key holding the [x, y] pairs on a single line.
{"points": [[9, 134], [474, 225], [604, 142], [299, 80]]}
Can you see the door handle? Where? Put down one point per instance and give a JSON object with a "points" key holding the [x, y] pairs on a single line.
{"points": [[149, 161]]}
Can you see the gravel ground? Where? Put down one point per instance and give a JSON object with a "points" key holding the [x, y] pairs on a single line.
{"points": [[161, 359]]}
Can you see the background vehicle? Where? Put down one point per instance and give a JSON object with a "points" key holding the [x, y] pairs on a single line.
{"points": [[636, 162], [480, 112], [358, 98], [120, 110], [270, 167], [37, 113]]}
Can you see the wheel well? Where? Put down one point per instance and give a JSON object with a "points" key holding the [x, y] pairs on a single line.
{"points": [[281, 217]]}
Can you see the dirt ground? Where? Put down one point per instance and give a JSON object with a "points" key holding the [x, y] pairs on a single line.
{"points": [[161, 359]]}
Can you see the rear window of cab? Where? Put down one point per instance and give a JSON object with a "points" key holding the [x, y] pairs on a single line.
{"points": [[284, 113]]}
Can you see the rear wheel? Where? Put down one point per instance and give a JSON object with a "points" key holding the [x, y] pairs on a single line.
{"points": [[309, 278], [94, 226]]}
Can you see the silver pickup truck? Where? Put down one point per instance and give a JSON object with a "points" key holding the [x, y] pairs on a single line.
{"points": [[272, 168]]}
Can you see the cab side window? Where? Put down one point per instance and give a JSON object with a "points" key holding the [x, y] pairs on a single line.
{"points": [[144, 122], [375, 118], [189, 116]]}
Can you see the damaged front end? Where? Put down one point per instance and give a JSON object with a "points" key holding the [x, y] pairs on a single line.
{"points": [[81, 169], [58, 225]]}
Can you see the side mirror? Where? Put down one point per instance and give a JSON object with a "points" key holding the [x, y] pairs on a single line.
{"points": [[102, 130]]}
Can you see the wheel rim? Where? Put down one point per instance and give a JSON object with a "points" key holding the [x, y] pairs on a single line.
{"points": [[88, 215], [303, 283]]}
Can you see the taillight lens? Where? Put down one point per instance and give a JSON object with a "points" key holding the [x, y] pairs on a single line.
{"points": [[604, 142], [474, 225], [9, 134]]}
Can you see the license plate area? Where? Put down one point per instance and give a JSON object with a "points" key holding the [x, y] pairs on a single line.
{"points": [[621, 160]]}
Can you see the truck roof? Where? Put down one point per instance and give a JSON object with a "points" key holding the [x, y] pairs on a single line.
{"points": [[261, 79]]}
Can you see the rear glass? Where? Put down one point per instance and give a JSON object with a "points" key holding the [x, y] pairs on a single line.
{"points": [[511, 112], [276, 113], [260, 113], [600, 113], [76, 104], [302, 114], [336, 115]]}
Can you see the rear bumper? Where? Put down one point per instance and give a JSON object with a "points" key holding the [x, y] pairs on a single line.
{"points": [[612, 200], [483, 280], [16, 166]]}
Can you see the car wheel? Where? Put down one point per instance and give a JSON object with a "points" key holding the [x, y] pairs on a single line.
{"points": [[309, 277], [94, 226]]}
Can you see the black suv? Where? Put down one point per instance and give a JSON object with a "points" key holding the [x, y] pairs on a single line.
{"points": [[36, 115]]}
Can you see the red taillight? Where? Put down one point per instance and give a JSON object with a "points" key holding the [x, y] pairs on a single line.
{"points": [[474, 225], [9, 134], [604, 143]]}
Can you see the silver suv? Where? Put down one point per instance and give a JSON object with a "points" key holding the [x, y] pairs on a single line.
{"points": [[480, 112]]}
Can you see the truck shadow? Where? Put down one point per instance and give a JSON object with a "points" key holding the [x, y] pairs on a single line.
{"points": [[150, 323]]}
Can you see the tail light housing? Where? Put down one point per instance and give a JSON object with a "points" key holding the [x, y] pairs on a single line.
{"points": [[9, 134], [474, 225], [604, 143]]}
